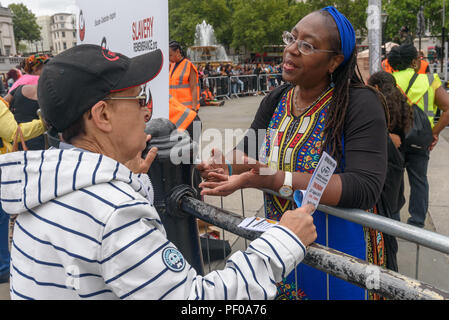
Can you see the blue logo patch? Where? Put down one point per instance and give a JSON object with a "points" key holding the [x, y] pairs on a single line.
{"points": [[173, 259]]}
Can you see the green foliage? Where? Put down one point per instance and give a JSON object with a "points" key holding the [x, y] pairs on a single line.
{"points": [[355, 11], [404, 13], [25, 25], [186, 14], [255, 23], [261, 22]]}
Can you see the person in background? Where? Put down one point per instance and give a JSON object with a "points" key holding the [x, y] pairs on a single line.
{"points": [[33, 68], [208, 98], [184, 78], [324, 107], [12, 76], [422, 66], [24, 106], [428, 93], [392, 196], [8, 131]]}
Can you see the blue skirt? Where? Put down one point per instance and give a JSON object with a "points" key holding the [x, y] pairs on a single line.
{"points": [[311, 283]]}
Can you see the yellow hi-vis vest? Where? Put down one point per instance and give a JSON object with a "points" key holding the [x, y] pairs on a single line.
{"points": [[422, 93]]}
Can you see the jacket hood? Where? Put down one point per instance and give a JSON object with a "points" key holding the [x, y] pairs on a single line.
{"points": [[32, 178]]}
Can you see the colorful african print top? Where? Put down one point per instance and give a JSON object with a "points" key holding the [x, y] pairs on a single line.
{"points": [[294, 143]]}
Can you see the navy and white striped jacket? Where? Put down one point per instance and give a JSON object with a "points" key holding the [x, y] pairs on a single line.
{"points": [[87, 229]]}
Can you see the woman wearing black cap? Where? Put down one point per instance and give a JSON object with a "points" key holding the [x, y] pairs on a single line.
{"points": [[325, 107]]}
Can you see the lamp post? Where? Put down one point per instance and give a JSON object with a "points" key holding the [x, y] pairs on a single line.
{"points": [[443, 36], [421, 28], [374, 34], [384, 27]]}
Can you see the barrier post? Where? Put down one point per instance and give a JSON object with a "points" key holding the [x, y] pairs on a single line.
{"points": [[171, 181]]}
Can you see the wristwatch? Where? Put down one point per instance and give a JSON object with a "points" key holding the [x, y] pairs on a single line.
{"points": [[286, 190]]}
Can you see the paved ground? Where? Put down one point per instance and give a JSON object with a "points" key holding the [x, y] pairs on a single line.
{"points": [[433, 267]]}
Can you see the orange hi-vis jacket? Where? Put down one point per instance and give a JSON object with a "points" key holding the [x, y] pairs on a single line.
{"points": [[423, 68], [207, 94], [387, 67], [180, 115], [179, 83]]}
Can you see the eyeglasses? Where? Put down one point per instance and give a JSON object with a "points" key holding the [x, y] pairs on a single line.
{"points": [[304, 47], [145, 99]]}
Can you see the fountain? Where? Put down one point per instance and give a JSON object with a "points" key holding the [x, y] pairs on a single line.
{"points": [[205, 48]]}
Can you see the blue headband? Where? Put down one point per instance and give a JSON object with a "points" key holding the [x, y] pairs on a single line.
{"points": [[347, 33]]}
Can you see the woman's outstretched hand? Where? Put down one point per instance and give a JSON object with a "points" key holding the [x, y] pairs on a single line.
{"points": [[224, 185], [215, 164]]}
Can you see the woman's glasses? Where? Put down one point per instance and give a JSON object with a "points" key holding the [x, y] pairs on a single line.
{"points": [[304, 47]]}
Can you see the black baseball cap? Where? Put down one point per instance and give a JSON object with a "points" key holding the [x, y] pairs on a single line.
{"points": [[74, 81]]}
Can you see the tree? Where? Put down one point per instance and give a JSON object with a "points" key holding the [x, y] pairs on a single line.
{"points": [[25, 25], [355, 11], [256, 23], [404, 13], [186, 14]]}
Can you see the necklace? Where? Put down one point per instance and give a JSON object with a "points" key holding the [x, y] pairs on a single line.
{"points": [[302, 110]]}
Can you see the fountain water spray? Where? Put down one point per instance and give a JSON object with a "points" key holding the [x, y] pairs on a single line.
{"points": [[206, 49]]}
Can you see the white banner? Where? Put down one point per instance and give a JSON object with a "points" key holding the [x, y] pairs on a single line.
{"points": [[131, 27]]}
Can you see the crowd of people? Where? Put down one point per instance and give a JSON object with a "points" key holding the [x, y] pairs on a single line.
{"points": [[244, 78], [85, 225]]}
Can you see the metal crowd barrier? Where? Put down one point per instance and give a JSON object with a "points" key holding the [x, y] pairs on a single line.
{"points": [[178, 205], [236, 86], [250, 85], [389, 284], [268, 81], [221, 86]]}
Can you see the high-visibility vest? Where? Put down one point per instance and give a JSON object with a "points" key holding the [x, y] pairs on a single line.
{"points": [[387, 67], [207, 95], [180, 115], [422, 93], [423, 68], [179, 83]]}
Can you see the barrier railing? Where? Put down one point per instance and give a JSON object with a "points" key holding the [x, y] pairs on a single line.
{"points": [[221, 86], [387, 283], [244, 85], [268, 81], [241, 85]]}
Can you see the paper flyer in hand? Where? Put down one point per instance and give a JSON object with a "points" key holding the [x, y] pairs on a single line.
{"points": [[318, 183]]}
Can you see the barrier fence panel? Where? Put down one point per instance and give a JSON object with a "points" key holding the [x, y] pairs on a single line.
{"points": [[226, 87], [269, 81], [244, 85], [220, 86], [387, 283]]}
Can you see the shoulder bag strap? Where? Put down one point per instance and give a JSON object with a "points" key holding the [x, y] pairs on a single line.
{"points": [[19, 135], [412, 81]]}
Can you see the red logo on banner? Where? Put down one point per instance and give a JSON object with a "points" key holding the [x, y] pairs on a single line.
{"points": [[82, 26], [109, 55]]}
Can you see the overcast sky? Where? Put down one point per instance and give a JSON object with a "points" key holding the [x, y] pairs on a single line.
{"points": [[45, 7]]}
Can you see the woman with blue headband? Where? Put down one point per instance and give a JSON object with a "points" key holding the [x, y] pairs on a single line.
{"points": [[325, 106]]}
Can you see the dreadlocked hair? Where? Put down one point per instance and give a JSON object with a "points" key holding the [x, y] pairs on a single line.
{"points": [[345, 77], [401, 115]]}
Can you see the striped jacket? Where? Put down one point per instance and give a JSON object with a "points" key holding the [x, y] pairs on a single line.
{"points": [[87, 229]]}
